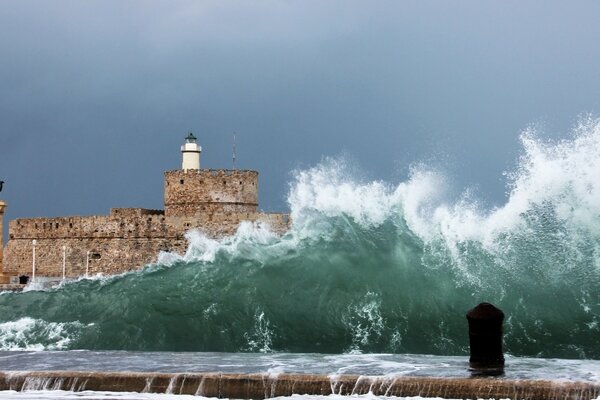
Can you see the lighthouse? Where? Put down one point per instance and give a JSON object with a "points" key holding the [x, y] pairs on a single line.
{"points": [[190, 152]]}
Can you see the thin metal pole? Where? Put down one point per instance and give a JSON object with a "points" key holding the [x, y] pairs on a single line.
{"points": [[64, 261], [234, 151], [87, 264], [33, 243]]}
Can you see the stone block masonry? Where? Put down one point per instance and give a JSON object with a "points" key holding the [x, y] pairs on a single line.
{"points": [[207, 191], [213, 201]]}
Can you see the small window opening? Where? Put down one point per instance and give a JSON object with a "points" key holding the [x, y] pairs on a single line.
{"points": [[181, 181]]}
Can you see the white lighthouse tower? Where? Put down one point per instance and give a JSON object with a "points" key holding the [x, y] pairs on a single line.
{"points": [[191, 153]]}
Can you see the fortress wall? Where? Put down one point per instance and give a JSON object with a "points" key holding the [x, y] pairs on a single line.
{"points": [[107, 255], [121, 223], [190, 192], [125, 240]]}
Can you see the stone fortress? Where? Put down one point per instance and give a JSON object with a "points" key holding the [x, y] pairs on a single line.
{"points": [[212, 201]]}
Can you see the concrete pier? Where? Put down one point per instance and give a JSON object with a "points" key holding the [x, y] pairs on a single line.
{"points": [[261, 386]]}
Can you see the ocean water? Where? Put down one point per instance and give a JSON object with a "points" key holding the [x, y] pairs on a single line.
{"points": [[367, 267]]}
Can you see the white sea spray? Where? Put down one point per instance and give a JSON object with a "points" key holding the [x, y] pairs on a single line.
{"points": [[35, 334]]}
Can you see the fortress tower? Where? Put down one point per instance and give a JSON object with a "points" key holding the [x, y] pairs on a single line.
{"points": [[192, 191]]}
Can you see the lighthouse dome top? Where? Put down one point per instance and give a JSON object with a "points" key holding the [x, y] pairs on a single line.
{"points": [[190, 138]]}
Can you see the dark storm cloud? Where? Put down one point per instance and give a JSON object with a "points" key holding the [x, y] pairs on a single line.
{"points": [[96, 96]]}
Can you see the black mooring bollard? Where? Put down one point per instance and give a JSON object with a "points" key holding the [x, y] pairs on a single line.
{"points": [[485, 339]]}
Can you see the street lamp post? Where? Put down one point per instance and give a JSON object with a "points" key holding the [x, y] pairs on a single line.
{"points": [[64, 261], [33, 243]]}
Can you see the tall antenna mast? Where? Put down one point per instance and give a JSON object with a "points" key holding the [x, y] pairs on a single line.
{"points": [[234, 151]]}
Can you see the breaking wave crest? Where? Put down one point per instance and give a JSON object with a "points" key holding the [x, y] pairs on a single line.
{"points": [[366, 267]]}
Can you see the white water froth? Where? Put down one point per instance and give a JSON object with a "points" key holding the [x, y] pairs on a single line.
{"points": [[88, 394], [365, 322], [559, 176], [260, 339], [35, 335]]}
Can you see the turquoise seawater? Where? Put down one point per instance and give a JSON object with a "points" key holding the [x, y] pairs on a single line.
{"points": [[368, 266]]}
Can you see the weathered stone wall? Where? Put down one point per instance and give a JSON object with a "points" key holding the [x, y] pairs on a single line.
{"points": [[125, 240], [121, 223], [107, 255], [206, 191]]}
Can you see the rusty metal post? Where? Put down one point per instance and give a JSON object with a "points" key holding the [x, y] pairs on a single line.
{"points": [[485, 339]]}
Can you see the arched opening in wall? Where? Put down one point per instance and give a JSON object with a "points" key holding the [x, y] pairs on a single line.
{"points": [[224, 182], [181, 181], [36, 225], [70, 224]]}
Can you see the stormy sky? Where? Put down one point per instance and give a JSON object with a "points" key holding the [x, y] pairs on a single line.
{"points": [[97, 96]]}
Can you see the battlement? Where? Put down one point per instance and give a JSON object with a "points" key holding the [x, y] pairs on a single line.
{"points": [[192, 192]]}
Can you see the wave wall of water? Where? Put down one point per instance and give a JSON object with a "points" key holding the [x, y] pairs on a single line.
{"points": [[366, 267]]}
